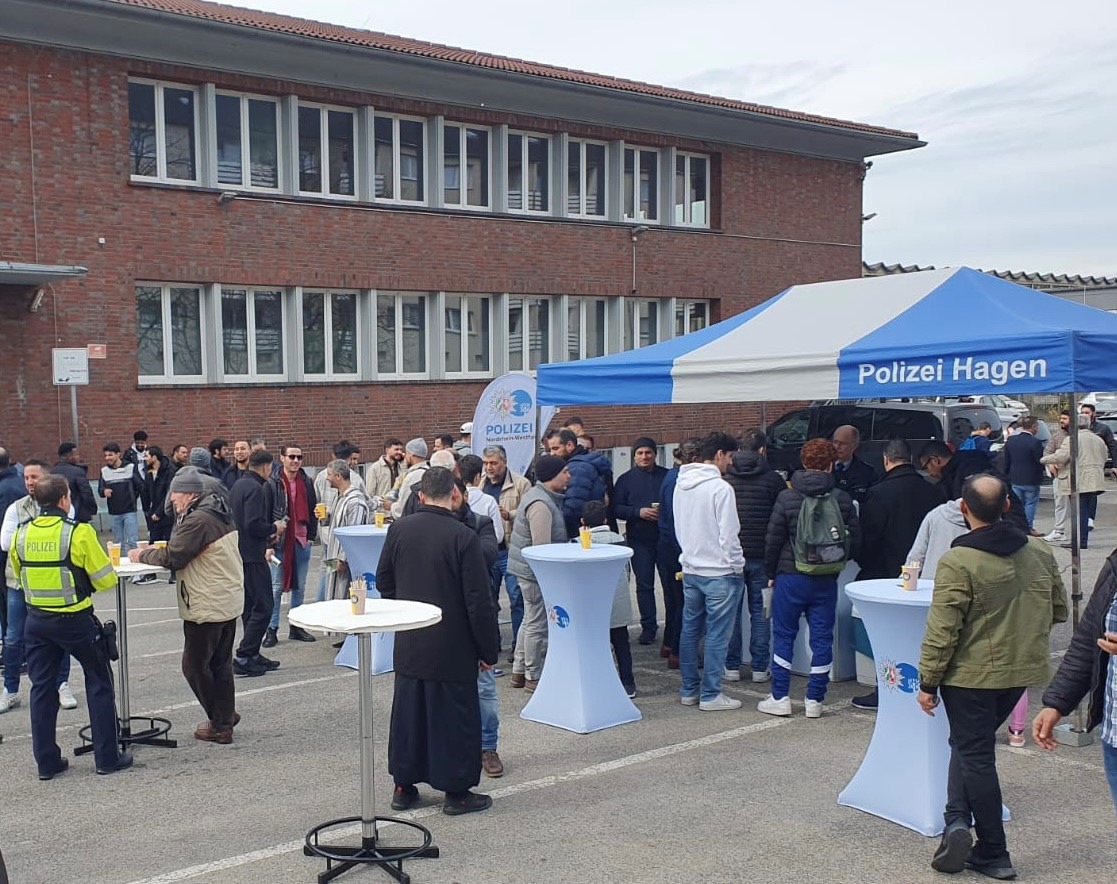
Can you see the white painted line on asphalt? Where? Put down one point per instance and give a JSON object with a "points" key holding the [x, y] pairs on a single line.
{"points": [[505, 792], [156, 654], [1054, 757]]}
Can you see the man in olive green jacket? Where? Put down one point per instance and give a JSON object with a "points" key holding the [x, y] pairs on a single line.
{"points": [[997, 595]]}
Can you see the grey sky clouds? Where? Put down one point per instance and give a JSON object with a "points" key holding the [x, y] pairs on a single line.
{"points": [[1017, 100]]}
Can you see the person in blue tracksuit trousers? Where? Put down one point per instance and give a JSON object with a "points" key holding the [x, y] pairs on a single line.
{"points": [[636, 500]]}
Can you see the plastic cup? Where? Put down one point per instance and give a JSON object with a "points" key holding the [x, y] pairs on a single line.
{"points": [[160, 544], [320, 511], [114, 553], [585, 538], [379, 520]]}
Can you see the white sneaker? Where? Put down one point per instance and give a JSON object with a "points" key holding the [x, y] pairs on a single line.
{"points": [[1089, 523], [689, 701], [720, 703], [731, 675], [761, 677], [8, 701], [771, 706], [66, 696], [814, 708], [1055, 537]]}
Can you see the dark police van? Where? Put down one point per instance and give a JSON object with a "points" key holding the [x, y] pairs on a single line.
{"points": [[878, 421]]}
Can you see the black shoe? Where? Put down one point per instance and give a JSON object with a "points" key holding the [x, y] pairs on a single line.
{"points": [[268, 663], [630, 689], [63, 766], [270, 639], [338, 645], [647, 635], [123, 762], [405, 797], [1001, 869], [953, 850], [867, 702], [298, 634], [248, 667], [465, 802]]}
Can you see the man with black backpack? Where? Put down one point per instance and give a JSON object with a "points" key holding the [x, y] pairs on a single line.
{"points": [[812, 534]]}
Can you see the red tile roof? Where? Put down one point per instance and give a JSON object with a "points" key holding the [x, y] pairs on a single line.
{"points": [[300, 27]]}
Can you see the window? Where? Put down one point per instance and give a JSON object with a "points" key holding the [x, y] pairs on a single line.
{"points": [[329, 324], [169, 333], [467, 335], [163, 131], [790, 431], [401, 333], [529, 333], [691, 316], [585, 171], [252, 333], [586, 327], [896, 423], [327, 146], [641, 184], [247, 141], [641, 323], [529, 169], [692, 190], [399, 159], [472, 191]]}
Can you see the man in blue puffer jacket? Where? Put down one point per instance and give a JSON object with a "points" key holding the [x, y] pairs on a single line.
{"points": [[591, 476]]}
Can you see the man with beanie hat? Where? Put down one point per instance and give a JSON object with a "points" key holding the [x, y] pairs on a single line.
{"points": [[415, 459], [636, 501], [203, 552], [200, 458], [539, 520]]}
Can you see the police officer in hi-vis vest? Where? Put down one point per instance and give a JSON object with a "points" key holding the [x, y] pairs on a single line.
{"points": [[60, 564]]}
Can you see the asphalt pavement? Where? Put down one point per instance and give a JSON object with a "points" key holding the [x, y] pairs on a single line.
{"points": [[682, 795]]}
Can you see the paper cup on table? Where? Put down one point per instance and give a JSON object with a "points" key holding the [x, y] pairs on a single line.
{"points": [[142, 544], [909, 577], [357, 596]]}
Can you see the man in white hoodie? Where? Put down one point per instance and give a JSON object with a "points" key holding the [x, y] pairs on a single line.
{"points": [[707, 528]]}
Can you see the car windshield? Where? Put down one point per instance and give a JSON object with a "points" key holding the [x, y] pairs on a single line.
{"points": [[1108, 405]]}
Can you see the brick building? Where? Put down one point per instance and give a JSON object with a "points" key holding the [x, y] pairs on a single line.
{"points": [[309, 232]]}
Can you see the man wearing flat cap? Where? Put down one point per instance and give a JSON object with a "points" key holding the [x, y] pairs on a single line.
{"points": [[203, 551], [538, 521]]}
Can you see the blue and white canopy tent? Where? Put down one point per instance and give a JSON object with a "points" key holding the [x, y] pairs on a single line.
{"points": [[934, 333]]}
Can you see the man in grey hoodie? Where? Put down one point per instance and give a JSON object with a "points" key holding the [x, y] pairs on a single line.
{"points": [[940, 526]]}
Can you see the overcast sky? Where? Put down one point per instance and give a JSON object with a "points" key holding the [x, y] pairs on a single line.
{"points": [[1017, 100]]}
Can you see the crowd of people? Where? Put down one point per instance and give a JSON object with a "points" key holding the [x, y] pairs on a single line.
{"points": [[235, 525]]}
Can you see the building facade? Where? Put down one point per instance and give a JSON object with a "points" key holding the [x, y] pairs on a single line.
{"points": [[307, 232]]}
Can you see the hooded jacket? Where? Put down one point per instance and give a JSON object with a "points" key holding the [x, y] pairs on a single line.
{"points": [[706, 525], [891, 514], [156, 487], [779, 544], [591, 477], [997, 595], [937, 532], [756, 486]]}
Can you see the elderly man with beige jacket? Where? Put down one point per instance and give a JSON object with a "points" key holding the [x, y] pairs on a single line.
{"points": [[1092, 455]]}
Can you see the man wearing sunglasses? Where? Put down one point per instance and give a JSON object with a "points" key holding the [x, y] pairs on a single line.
{"points": [[294, 546]]}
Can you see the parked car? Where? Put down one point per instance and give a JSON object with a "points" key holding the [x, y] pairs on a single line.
{"points": [[1009, 410], [878, 422]]}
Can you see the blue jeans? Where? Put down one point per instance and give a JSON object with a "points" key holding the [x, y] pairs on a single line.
{"points": [[515, 599], [302, 564], [643, 568], [793, 596], [124, 531], [760, 627], [490, 709], [13, 644], [708, 607], [1029, 496], [1109, 757]]}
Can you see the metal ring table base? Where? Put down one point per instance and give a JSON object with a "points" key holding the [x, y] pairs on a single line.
{"points": [[390, 859], [153, 733]]}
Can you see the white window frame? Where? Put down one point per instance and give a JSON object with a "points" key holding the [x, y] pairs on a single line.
{"points": [[327, 331], [549, 177], [637, 151], [584, 304], [581, 144], [161, 133], [529, 329], [250, 320], [397, 164], [464, 334], [463, 164], [168, 376], [686, 220], [397, 306], [245, 142], [633, 329], [324, 151]]}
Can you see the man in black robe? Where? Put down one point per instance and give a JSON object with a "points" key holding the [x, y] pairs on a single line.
{"points": [[435, 733]]}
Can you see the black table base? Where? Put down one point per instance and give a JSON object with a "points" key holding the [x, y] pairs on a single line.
{"points": [[341, 858], [153, 732]]}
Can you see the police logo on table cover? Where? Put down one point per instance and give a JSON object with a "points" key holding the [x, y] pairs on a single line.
{"points": [[559, 617]]}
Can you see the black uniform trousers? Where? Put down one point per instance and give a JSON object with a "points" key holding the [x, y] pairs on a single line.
{"points": [[47, 639], [258, 605]]}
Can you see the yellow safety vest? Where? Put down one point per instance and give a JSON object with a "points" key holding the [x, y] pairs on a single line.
{"points": [[52, 559]]}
